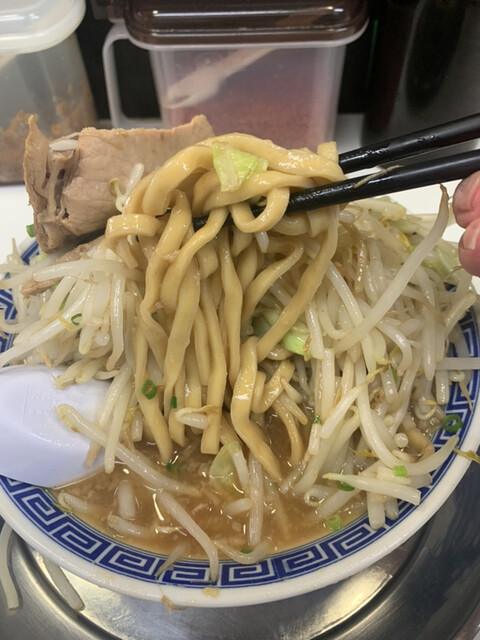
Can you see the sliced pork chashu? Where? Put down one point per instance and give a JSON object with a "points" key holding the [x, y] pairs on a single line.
{"points": [[68, 181]]}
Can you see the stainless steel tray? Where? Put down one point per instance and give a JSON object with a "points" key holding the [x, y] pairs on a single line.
{"points": [[428, 589]]}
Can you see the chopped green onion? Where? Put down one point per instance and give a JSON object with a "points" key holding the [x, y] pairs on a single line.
{"points": [[246, 550], [296, 340], [400, 471], [30, 231], [76, 318], [149, 389], [173, 402], [334, 522], [173, 466], [344, 486], [452, 423], [317, 420], [394, 374]]}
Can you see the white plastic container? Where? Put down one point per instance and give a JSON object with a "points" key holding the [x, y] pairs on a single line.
{"points": [[272, 69], [42, 73]]}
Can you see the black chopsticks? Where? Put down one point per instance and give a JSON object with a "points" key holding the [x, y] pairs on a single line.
{"points": [[393, 179], [444, 135]]}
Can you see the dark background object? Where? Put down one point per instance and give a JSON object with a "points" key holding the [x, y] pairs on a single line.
{"points": [[136, 82], [425, 66]]}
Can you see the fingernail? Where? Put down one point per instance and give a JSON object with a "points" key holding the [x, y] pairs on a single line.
{"points": [[469, 248], [466, 200], [471, 238]]}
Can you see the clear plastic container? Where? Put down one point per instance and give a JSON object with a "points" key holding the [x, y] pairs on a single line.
{"points": [[41, 73], [272, 69]]}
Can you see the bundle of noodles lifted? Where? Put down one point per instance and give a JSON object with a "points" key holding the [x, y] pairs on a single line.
{"points": [[271, 379]]}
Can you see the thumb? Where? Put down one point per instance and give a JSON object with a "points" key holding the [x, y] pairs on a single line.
{"points": [[469, 248]]}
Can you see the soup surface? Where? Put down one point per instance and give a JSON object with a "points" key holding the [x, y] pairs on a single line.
{"points": [[287, 520]]}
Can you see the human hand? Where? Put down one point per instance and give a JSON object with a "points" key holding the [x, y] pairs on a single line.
{"points": [[466, 208]]}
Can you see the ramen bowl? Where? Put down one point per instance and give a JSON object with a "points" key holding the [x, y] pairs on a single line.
{"points": [[33, 512]]}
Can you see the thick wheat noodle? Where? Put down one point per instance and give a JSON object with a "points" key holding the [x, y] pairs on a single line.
{"points": [[153, 196], [261, 183], [290, 161], [232, 307], [276, 203], [248, 431], [288, 419], [218, 370], [305, 224], [193, 395], [132, 223], [180, 331], [304, 294], [176, 427], [265, 394], [154, 418], [155, 336], [293, 250], [247, 263], [171, 281], [204, 185], [176, 229], [202, 351]]}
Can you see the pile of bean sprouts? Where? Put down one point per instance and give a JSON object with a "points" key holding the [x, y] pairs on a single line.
{"points": [[337, 322]]}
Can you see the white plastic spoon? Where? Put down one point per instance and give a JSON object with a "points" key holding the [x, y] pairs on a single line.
{"points": [[35, 445]]}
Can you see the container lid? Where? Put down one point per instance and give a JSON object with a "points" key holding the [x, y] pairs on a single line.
{"points": [[34, 25], [217, 22]]}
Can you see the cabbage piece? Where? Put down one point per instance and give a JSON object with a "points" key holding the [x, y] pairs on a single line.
{"points": [[233, 166], [443, 259], [222, 470]]}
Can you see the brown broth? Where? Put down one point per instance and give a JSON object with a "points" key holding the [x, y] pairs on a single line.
{"points": [[288, 522]]}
